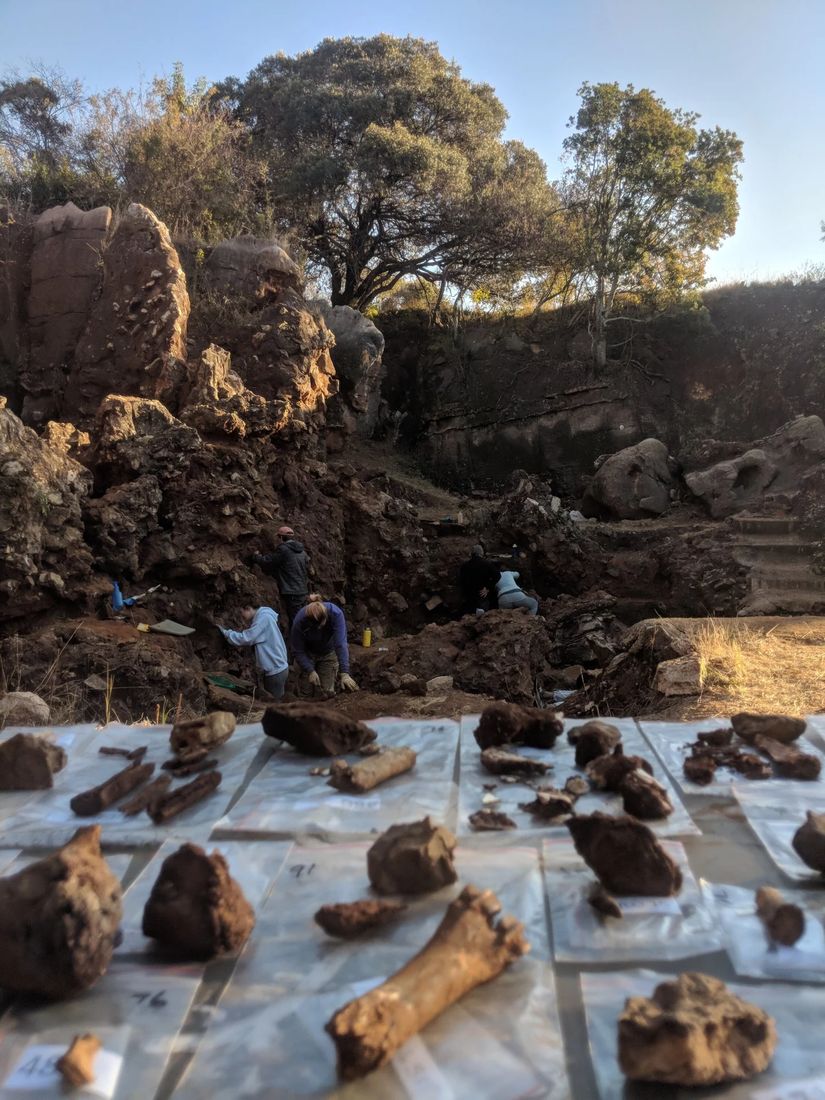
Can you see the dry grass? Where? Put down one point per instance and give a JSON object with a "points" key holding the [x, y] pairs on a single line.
{"points": [[776, 670]]}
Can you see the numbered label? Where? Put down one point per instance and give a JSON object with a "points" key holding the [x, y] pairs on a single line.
{"points": [[302, 870], [151, 1000]]}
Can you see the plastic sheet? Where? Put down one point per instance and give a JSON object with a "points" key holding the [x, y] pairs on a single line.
{"points": [[750, 949], [72, 738], [501, 1041], [651, 928], [774, 812], [48, 821], [669, 740], [285, 800], [137, 1011], [253, 864], [473, 779], [816, 729], [799, 1057]]}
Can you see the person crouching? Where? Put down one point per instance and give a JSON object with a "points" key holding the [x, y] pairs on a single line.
{"points": [[319, 642]]}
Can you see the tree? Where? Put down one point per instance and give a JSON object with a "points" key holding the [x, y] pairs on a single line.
{"points": [[651, 194], [390, 164]]}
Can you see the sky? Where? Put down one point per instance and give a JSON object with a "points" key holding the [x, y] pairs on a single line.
{"points": [[753, 66]]}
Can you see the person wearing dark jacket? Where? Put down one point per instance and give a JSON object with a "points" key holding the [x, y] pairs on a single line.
{"points": [[319, 642], [478, 578], [289, 565]]}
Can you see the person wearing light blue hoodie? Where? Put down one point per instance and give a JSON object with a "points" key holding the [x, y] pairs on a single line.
{"points": [[510, 596], [262, 632]]}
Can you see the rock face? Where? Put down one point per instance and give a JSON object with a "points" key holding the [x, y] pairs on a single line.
{"points": [[196, 908], [28, 762], [251, 268], [58, 920], [136, 331], [357, 355], [694, 1032], [23, 708], [774, 464], [632, 484], [42, 552], [65, 274]]}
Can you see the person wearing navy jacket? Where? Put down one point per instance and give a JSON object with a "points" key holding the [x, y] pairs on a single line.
{"points": [[319, 642]]}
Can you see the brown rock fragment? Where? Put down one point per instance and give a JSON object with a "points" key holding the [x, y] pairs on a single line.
{"points": [[467, 949], [490, 821], [644, 797], [784, 922], [28, 762], [789, 762], [694, 1032], [500, 762], [412, 859], [749, 765], [699, 769], [608, 771], [196, 908], [625, 855], [716, 738], [550, 804], [778, 726], [58, 920], [809, 841], [99, 798], [190, 739], [369, 773], [315, 730], [349, 919], [76, 1066], [146, 798], [511, 724], [177, 769], [576, 786], [593, 739]]}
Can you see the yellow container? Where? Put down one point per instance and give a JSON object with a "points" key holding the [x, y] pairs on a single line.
{"points": [[366, 638]]}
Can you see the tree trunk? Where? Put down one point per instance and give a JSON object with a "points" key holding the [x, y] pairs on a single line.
{"points": [[599, 333]]}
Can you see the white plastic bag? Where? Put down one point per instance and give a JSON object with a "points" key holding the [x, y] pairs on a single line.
{"points": [[800, 1052], [775, 811], [501, 1041], [285, 800], [750, 949], [650, 928], [48, 821], [138, 1011], [473, 781]]}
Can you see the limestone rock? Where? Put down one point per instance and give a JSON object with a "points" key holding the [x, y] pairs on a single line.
{"points": [[251, 268], [28, 762], [679, 676], [196, 908], [58, 920], [412, 859], [632, 484], [135, 339], [694, 1032], [66, 269], [357, 356], [135, 436], [23, 708], [43, 558]]}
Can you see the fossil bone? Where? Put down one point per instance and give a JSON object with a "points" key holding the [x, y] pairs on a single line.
{"points": [[372, 771], [96, 800], [789, 761], [467, 949], [500, 762], [147, 796], [490, 821], [76, 1066], [189, 739], [174, 803], [348, 919], [784, 921]]}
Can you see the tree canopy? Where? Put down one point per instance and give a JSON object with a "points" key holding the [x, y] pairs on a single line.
{"points": [[650, 194], [388, 163]]}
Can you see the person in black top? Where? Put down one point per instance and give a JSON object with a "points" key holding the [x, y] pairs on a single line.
{"points": [[478, 578], [289, 565]]}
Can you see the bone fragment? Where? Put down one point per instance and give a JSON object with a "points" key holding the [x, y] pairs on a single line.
{"points": [[99, 798], [189, 739], [372, 771], [170, 805], [349, 919], [76, 1066], [784, 922]]}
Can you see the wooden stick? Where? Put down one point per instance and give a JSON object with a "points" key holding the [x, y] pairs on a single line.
{"points": [[88, 803]]}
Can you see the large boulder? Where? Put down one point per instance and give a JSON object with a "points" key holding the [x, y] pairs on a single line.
{"points": [[357, 355], [135, 436], [43, 557], [136, 333], [770, 466], [23, 708], [251, 268], [633, 484], [65, 275]]}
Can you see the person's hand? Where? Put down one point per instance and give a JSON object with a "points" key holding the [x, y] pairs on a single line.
{"points": [[314, 679], [482, 592], [347, 682]]}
